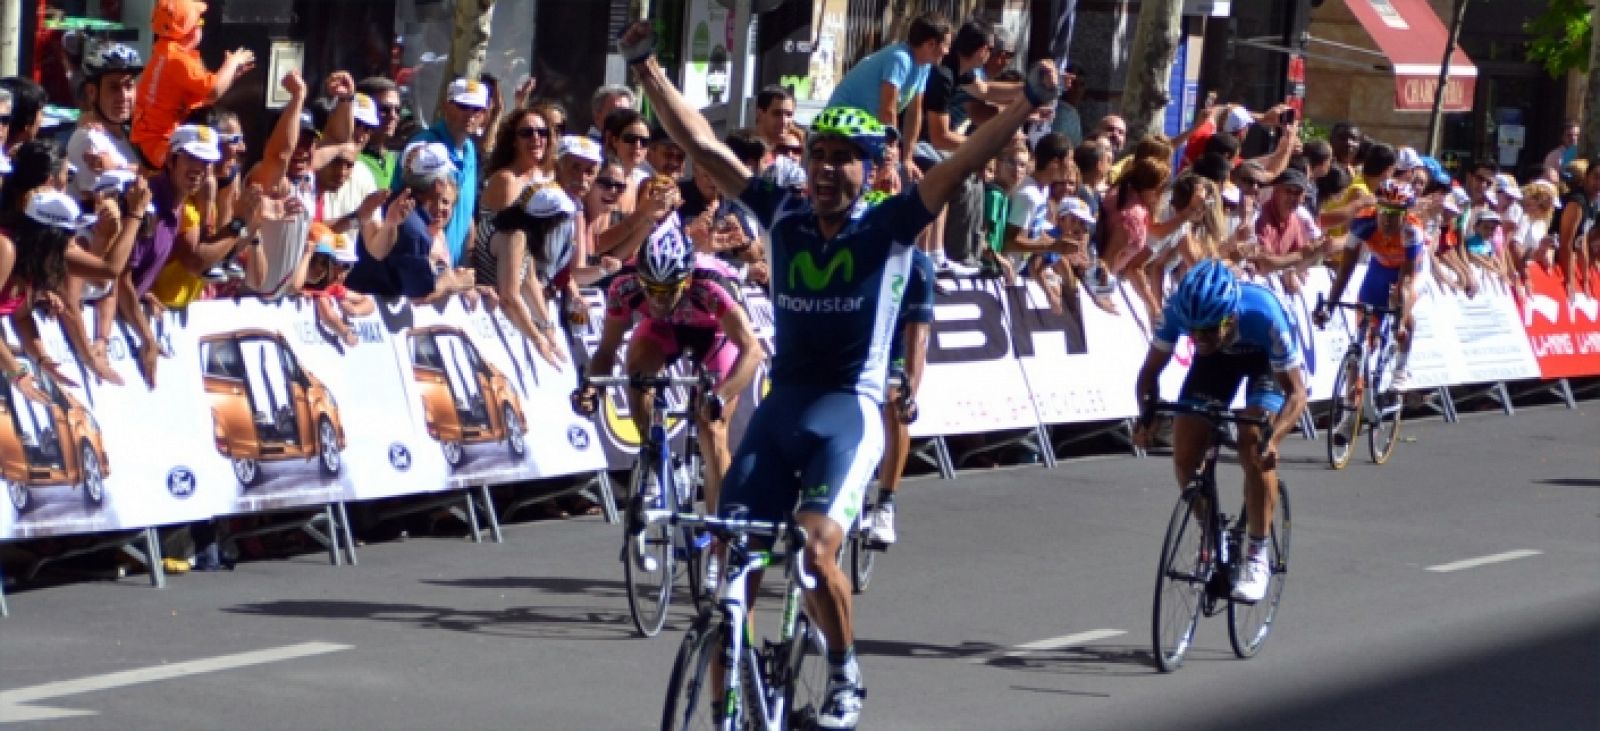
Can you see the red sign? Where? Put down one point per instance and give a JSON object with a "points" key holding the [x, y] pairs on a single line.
{"points": [[1564, 333], [1415, 93]]}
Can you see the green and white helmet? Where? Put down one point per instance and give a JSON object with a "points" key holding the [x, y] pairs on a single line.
{"points": [[855, 125]]}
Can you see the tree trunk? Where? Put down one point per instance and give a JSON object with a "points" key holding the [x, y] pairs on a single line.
{"points": [[469, 41], [1589, 143], [1155, 45]]}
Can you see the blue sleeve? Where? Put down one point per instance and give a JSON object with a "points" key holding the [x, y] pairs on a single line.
{"points": [[763, 198], [1282, 345], [918, 303], [919, 81], [897, 70], [1414, 244], [1363, 227], [902, 217], [1166, 336]]}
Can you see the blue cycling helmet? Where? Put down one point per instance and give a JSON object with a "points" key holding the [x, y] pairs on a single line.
{"points": [[1208, 294]]}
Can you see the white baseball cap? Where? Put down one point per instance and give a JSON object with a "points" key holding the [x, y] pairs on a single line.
{"points": [[366, 111], [1078, 209], [197, 141], [53, 208], [1507, 184], [469, 93], [1407, 159], [1238, 119], [548, 201], [580, 147], [118, 179], [428, 161]]}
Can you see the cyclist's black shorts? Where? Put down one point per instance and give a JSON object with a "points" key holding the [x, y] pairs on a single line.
{"points": [[1215, 378]]}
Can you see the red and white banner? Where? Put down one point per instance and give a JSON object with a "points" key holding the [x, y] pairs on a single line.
{"points": [[1563, 331]]}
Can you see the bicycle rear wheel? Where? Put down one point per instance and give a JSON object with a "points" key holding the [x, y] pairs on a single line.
{"points": [[863, 557], [1187, 562], [1384, 433], [1344, 412], [1249, 624], [691, 702], [806, 688], [649, 587]]}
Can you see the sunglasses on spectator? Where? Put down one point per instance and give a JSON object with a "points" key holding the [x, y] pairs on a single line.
{"points": [[611, 185], [528, 133], [790, 150], [5, 120], [635, 139], [230, 139], [657, 291], [388, 110]]}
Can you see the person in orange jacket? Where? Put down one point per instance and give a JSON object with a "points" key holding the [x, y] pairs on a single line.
{"points": [[176, 81]]}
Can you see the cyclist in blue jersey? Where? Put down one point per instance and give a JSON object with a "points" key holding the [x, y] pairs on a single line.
{"points": [[907, 355], [1395, 243], [839, 268], [1240, 333]]}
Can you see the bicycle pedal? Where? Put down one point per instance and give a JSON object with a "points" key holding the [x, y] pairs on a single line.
{"points": [[873, 544]]}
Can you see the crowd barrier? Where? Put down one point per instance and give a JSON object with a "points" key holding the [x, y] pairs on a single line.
{"points": [[260, 408]]}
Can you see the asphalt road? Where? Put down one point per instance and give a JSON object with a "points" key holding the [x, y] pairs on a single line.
{"points": [[534, 634]]}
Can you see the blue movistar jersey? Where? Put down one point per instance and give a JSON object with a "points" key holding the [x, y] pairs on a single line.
{"points": [[916, 307], [1261, 327], [835, 301]]}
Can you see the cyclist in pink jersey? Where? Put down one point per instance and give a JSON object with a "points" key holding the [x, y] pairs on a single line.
{"points": [[680, 305]]}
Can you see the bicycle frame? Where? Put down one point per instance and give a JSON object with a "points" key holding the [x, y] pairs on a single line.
{"points": [[740, 655], [1205, 479], [1374, 332]]}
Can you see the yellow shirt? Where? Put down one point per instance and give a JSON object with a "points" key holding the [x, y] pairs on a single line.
{"points": [[1357, 189], [176, 286]]}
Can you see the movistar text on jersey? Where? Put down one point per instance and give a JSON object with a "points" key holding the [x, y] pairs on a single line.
{"points": [[821, 305]]}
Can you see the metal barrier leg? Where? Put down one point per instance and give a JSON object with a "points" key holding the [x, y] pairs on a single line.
{"points": [[349, 533], [335, 555], [1048, 450], [1308, 425], [1505, 398], [152, 552], [1563, 389], [488, 509], [947, 468], [4, 612], [608, 500], [1447, 405], [472, 516]]}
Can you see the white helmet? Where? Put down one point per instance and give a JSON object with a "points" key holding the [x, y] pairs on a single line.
{"points": [[667, 258]]}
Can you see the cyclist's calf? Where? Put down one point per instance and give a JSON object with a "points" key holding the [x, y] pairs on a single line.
{"points": [[829, 603]]}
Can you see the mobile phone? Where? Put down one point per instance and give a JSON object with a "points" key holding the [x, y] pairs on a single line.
{"points": [[1287, 116]]}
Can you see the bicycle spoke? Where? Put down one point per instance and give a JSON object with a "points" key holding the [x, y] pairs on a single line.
{"points": [[1186, 565]]}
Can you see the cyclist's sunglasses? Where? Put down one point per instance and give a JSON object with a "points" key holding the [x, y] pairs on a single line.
{"points": [[658, 291], [1213, 331]]}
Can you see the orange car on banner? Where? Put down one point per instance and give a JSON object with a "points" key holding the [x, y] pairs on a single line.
{"points": [[1564, 331]]}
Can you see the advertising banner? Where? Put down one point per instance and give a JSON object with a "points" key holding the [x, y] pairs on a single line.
{"points": [[1067, 357], [1563, 332], [972, 382]]}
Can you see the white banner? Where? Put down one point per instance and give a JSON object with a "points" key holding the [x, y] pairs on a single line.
{"points": [[973, 382], [1066, 357]]}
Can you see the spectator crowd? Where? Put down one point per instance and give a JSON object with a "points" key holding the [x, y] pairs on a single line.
{"points": [[155, 201]]}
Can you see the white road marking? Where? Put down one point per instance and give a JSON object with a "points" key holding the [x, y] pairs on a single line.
{"points": [[12, 702], [1051, 643], [1470, 563]]}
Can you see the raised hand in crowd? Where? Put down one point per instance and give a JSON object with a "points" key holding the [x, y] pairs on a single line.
{"points": [[241, 59], [340, 84], [524, 91]]}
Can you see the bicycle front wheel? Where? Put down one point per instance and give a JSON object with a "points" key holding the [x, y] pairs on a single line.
{"points": [[1385, 432], [692, 701], [863, 558], [1344, 411], [648, 564], [806, 688], [1249, 624], [1187, 557]]}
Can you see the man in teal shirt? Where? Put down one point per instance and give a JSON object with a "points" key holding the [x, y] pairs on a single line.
{"points": [[891, 81], [464, 113]]}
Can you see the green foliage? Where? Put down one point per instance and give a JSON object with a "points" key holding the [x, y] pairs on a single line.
{"points": [[1310, 130], [1561, 36]]}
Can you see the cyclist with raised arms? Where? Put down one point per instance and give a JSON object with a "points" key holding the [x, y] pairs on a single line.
{"points": [[839, 266], [1241, 334], [1396, 249], [680, 306]]}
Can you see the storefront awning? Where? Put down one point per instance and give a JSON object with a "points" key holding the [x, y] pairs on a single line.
{"points": [[1413, 38]]}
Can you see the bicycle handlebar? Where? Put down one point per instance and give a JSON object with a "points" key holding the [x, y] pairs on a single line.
{"points": [[730, 529], [1359, 306], [1216, 413]]}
